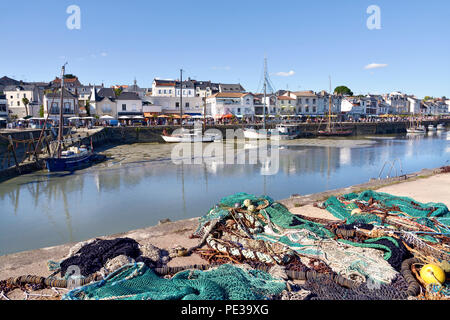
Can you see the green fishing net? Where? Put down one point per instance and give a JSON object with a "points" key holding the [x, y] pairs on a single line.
{"points": [[138, 282], [422, 213]]}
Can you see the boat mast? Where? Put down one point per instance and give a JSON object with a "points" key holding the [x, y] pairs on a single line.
{"points": [[329, 109], [61, 120], [265, 93], [181, 97]]}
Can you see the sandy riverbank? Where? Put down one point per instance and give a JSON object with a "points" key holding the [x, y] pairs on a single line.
{"points": [[145, 152], [425, 186]]}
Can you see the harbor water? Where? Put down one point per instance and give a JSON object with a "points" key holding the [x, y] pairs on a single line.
{"points": [[42, 209]]}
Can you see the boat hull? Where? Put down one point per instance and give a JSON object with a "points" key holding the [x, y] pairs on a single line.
{"points": [[415, 130], [178, 139], [253, 134], [68, 163]]}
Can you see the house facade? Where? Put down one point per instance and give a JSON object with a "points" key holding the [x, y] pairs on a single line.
{"points": [[163, 88], [238, 104], [52, 105], [398, 102], [129, 104], [16, 93]]}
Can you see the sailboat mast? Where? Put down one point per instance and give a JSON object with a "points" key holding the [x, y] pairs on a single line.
{"points": [[61, 120], [265, 93], [181, 97], [329, 108]]}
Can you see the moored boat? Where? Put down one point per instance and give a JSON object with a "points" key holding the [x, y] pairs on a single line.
{"points": [[431, 128], [74, 157], [440, 127]]}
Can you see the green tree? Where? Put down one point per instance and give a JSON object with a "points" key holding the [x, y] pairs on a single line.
{"points": [[343, 90], [118, 91], [88, 108], [41, 111], [427, 98], [26, 102]]}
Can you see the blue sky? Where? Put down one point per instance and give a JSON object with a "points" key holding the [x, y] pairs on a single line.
{"points": [[225, 41]]}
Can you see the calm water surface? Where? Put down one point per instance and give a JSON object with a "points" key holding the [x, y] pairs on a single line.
{"points": [[41, 209]]}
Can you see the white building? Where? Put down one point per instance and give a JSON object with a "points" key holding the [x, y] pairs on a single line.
{"points": [[398, 102], [414, 105], [238, 104], [15, 95], [129, 104], [352, 107], [52, 104], [163, 88], [171, 105]]}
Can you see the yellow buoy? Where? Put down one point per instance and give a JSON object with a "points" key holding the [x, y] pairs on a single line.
{"points": [[432, 274]]}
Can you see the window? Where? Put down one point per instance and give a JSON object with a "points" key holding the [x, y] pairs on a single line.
{"points": [[170, 91], [159, 91], [18, 103], [187, 104], [164, 91], [314, 101], [124, 107], [314, 109], [238, 110], [307, 109], [177, 105], [24, 95], [307, 100]]}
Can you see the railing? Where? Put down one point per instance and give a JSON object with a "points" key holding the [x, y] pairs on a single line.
{"points": [[393, 166]]}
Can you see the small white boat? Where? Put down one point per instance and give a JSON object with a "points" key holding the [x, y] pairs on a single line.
{"points": [[189, 136], [250, 133], [431, 128], [440, 127], [284, 132], [420, 129]]}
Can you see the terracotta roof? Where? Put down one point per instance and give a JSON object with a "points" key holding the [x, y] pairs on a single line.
{"points": [[285, 98], [308, 93]]}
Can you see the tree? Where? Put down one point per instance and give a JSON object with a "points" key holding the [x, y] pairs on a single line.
{"points": [[427, 98], [41, 111], [88, 108], [118, 91], [25, 101], [343, 90]]}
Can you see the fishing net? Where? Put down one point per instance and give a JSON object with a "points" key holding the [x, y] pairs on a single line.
{"points": [[275, 225], [91, 257], [138, 282], [325, 289], [376, 203]]}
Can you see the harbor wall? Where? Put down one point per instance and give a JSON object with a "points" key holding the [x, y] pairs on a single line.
{"points": [[124, 135]]}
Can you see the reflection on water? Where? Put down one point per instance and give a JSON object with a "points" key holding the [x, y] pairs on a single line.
{"points": [[40, 210]]}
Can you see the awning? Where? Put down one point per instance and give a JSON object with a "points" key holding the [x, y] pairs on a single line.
{"points": [[138, 117], [74, 118], [151, 114], [106, 117], [2, 119], [163, 116], [124, 117]]}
